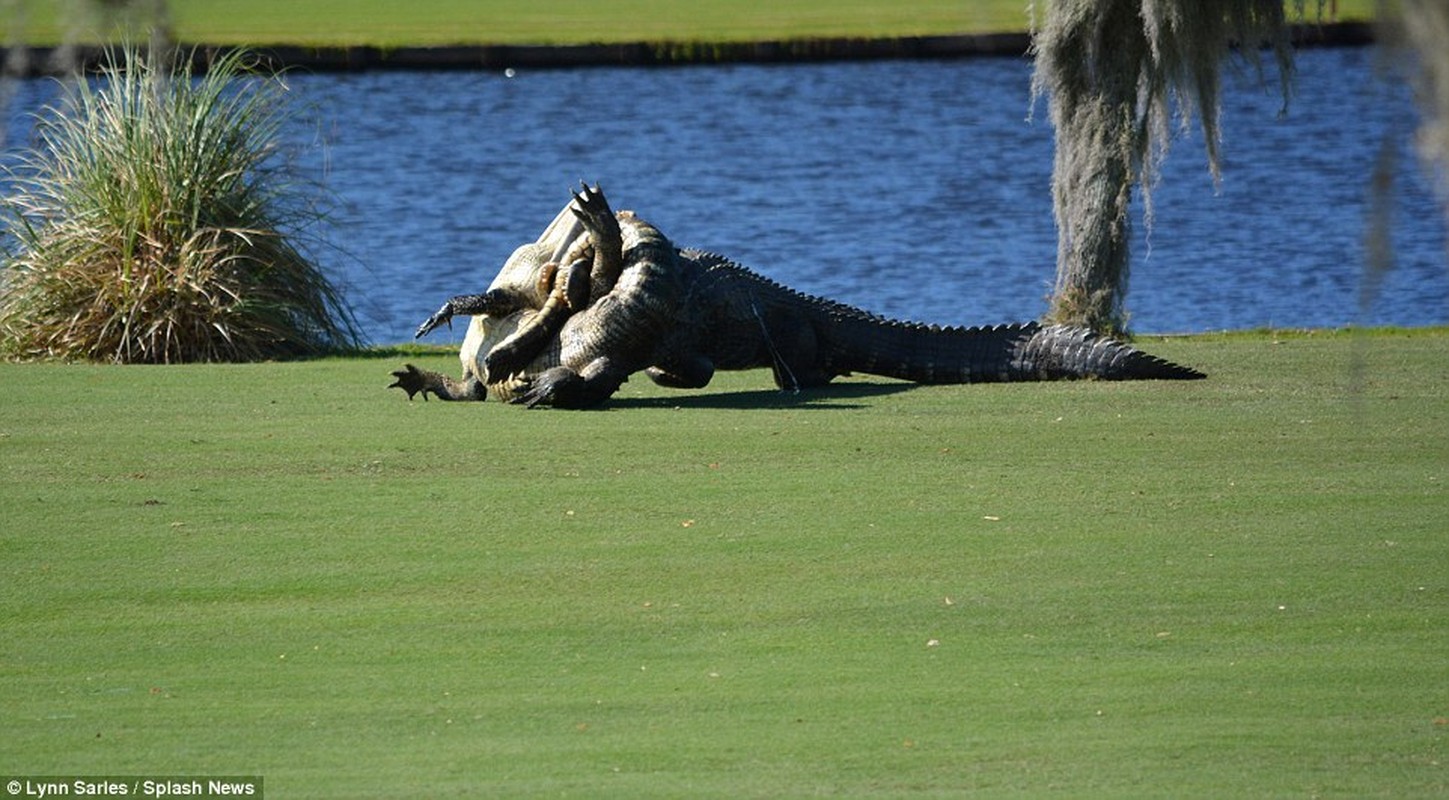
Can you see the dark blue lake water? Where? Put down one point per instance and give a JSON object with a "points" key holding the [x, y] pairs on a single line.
{"points": [[919, 189]]}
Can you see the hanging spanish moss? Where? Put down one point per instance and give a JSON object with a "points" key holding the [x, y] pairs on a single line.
{"points": [[1419, 30], [1415, 34], [79, 22], [1118, 74]]}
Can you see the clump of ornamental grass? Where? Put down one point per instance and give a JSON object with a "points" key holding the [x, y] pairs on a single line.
{"points": [[156, 222]]}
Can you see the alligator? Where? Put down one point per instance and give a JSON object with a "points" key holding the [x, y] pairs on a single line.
{"points": [[600, 296]]}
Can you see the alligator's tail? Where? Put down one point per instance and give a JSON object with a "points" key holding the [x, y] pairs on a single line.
{"points": [[1060, 351], [1025, 352], [846, 339]]}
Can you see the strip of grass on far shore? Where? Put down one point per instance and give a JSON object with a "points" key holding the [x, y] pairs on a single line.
{"points": [[1234, 587], [385, 23]]}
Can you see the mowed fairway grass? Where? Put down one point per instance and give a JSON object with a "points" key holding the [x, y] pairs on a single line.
{"points": [[443, 22], [1235, 587]]}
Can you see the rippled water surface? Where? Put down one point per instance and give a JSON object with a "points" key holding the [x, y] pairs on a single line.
{"points": [[914, 189]]}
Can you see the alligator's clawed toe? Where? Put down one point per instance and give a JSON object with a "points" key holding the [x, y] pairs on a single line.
{"points": [[533, 392], [503, 361], [559, 387], [530, 396], [443, 316], [587, 195], [591, 207], [411, 380]]}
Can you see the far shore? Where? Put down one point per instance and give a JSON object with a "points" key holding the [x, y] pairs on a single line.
{"points": [[54, 60]]}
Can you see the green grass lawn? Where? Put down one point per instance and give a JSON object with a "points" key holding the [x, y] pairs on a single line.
{"points": [[1228, 588], [437, 22]]}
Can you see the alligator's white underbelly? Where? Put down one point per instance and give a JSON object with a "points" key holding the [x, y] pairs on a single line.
{"points": [[485, 333]]}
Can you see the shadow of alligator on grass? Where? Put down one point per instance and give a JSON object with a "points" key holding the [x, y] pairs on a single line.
{"points": [[834, 397]]}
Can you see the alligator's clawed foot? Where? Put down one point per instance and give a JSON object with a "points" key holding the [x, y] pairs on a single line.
{"points": [[559, 387], [504, 361], [443, 316], [411, 380], [593, 210]]}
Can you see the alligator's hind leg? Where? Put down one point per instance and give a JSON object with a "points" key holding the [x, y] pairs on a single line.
{"points": [[794, 352], [605, 236]]}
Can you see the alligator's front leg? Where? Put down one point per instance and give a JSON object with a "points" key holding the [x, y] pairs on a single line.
{"points": [[421, 381], [569, 293], [561, 387], [414, 381], [494, 302]]}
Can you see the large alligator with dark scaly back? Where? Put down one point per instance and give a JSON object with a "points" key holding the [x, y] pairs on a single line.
{"points": [[601, 296]]}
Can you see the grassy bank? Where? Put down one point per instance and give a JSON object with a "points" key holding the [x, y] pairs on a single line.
{"points": [[1234, 587], [440, 22]]}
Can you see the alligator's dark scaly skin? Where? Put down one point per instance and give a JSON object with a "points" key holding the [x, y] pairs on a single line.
{"points": [[682, 314]]}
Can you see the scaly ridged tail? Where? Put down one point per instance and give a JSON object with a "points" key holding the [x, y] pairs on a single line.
{"points": [[855, 340], [1054, 352], [1024, 352]]}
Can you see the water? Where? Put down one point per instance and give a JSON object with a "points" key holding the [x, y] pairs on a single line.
{"points": [[919, 190]]}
